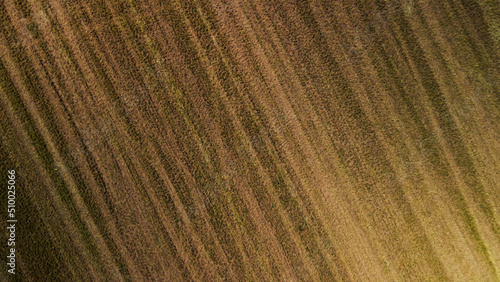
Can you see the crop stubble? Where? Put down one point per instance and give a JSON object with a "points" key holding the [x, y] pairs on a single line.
{"points": [[253, 140]]}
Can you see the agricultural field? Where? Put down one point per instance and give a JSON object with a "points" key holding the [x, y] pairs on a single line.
{"points": [[229, 140]]}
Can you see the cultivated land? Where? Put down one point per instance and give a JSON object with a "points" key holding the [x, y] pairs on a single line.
{"points": [[252, 140]]}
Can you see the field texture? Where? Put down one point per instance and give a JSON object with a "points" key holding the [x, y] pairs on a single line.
{"points": [[212, 140]]}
